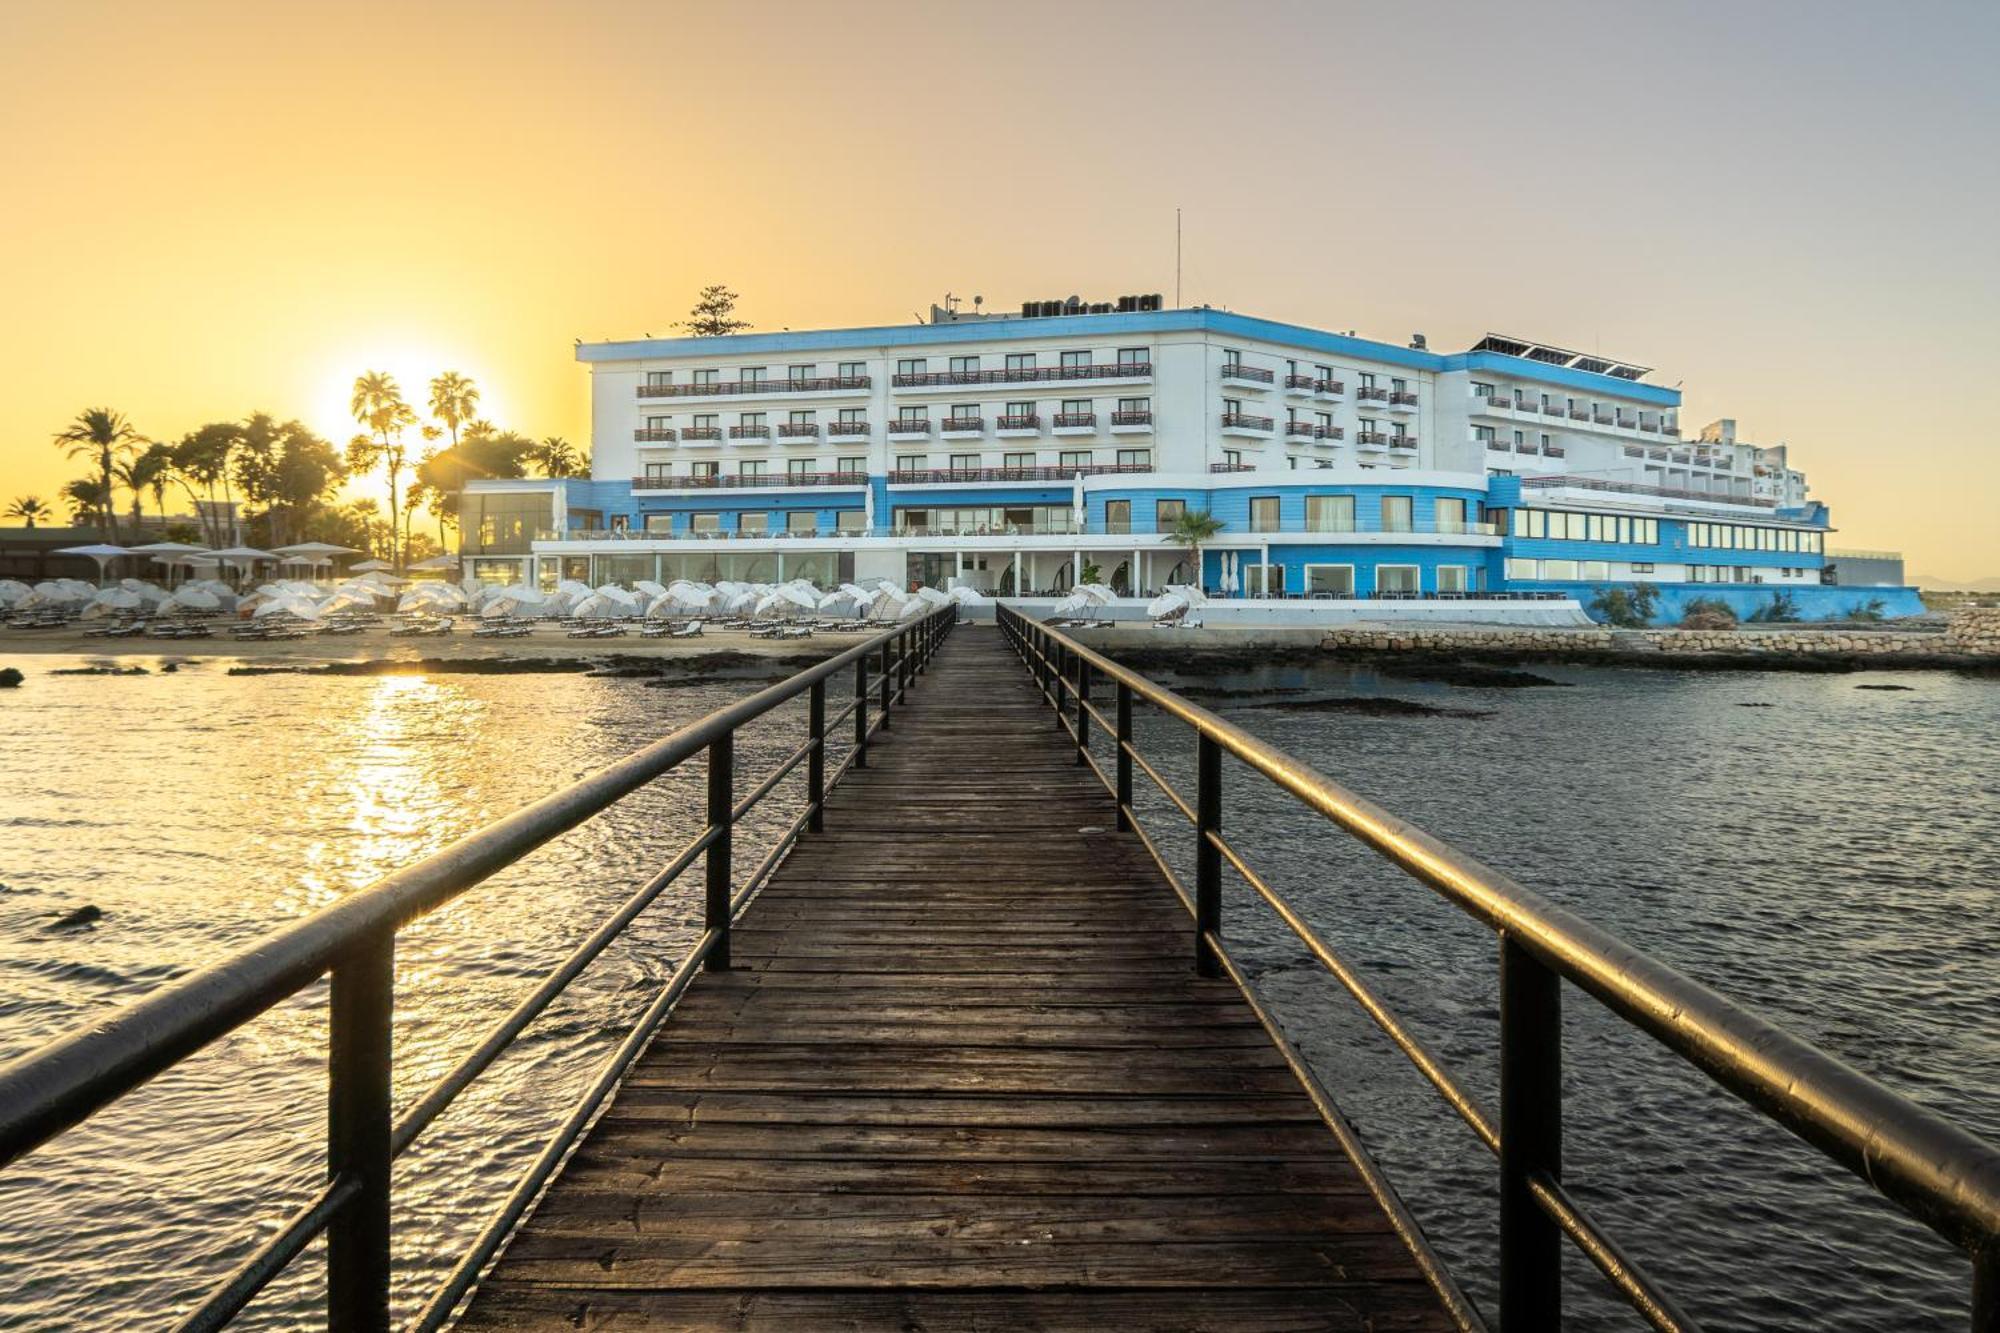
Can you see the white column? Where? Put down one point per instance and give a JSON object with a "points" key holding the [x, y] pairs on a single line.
{"points": [[1138, 581], [1020, 573], [781, 566]]}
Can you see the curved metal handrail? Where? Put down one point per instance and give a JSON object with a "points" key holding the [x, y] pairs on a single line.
{"points": [[1947, 1178]]}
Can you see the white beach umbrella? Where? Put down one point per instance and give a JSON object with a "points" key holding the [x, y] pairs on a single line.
{"points": [[286, 604], [1166, 604], [840, 602], [932, 597], [102, 552], [13, 591], [1098, 593], [370, 567], [1074, 604], [113, 599], [649, 589], [966, 595], [884, 604], [191, 598], [437, 562], [793, 595], [1188, 593]]}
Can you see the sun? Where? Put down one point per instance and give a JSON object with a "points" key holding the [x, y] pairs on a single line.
{"points": [[413, 363]]}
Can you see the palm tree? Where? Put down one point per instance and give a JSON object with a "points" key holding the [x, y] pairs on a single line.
{"points": [[377, 403], [454, 398], [88, 498], [1191, 528], [556, 457], [102, 436], [142, 474], [29, 509]]}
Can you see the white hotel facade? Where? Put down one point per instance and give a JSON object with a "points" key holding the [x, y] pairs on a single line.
{"points": [[1010, 453]]}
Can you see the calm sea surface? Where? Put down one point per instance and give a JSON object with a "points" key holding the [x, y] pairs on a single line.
{"points": [[1831, 857]]}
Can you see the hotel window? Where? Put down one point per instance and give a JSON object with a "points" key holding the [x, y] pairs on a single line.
{"points": [[1135, 356], [1483, 435], [1370, 426], [1075, 360], [1322, 372], [1596, 569], [965, 365], [1020, 360], [753, 525], [751, 375], [797, 374], [1017, 460], [707, 522], [1074, 458], [750, 420], [751, 467], [1396, 578], [913, 418], [659, 522], [1520, 438], [1135, 405], [964, 416], [851, 467], [1118, 516], [849, 520], [1641, 567], [1396, 513], [1398, 431], [1232, 407], [800, 467], [706, 421], [658, 473], [1450, 514], [1559, 570], [910, 365], [1078, 407], [659, 379], [1020, 409], [706, 468], [1329, 513], [1142, 458], [1291, 369], [1166, 513], [801, 416], [657, 423], [910, 462], [1324, 420], [1232, 458], [1454, 578], [705, 376], [1366, 379], [1523, 569], [965, 462], [1231, 358], [1546, 442], [853, 370], [1480, 390], [1398, 386], [853, 416], [1330, 580], [1263, 513], [1548, 405], [802, 522], [1264, 580]]}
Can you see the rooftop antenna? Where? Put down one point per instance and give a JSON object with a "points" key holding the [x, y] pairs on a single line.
{"points": [[1177, 258]]}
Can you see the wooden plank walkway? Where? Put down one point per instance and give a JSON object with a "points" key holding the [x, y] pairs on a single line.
{"points": [[963, 1076]]}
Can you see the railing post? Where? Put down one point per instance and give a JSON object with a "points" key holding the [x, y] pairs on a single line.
{"points": [[888, 682], [361, 1000], [1082, 711], [1057, 676], [905, 669], [861, 711], [1530, 1139], [1124, 794], [1986, 1287], [816, 758], [721, 819], [1207, 856]]}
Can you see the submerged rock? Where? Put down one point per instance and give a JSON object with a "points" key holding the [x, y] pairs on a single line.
{"points": [[10, 678], [1451, 671], [1885, 687], [1368, 706], [86, 915], [101, 671]]}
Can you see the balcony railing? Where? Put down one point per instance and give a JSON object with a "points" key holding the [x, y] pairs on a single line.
{"points": [[1634, 488], [1369, 393], [1402, 441], [1021, 421], [1232, 467], [798, 430], [1060, 472], [1071, 420], [1236, 370], [654, 435], [1301, 429], [1123, 370], [661, 481], [1305, 382], [1131, 418], [1578, 414], [1602, 419], [1332, 432], [749, 432], [719, 388], [1555, 451], [964, 425], [1331, 387], [1244, 421], [701, 433], [847, 428], [910, 426], [1403, 399], [1374, 437]]}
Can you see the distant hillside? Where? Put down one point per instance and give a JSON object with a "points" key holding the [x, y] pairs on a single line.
{"points": [[1990, 584]]}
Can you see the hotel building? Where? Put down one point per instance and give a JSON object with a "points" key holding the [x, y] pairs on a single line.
{"points": [[1012, 452]]}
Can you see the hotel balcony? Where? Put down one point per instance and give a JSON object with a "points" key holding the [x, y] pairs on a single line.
{"points": [[1242, 423], [947, 476], [1076, 423], [662, 481], [1131, 423], [963, 428], [1096, 370], [702, 435], [1237, 373], [1369, 395], [910, 428], [1402, 402], [1578, 414], [847, 428], [749, 432], [1232, 467], [1016, 424], [751, 388], [799, 430], [1407, 443], [1372, 439], [1301, 430], [1329, 434], [655, 435], [1554, 451], [1300, 384], [1329, 388]]}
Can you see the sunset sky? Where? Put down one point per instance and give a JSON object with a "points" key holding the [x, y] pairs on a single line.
{"points": [[213, 208]]}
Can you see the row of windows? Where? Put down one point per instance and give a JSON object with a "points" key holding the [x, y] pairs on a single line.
{"points": [[978, 520], [754, 375], [1747, 537], [754, 523], [661, 473], [1602, 414], [917, 416], [1561, 525], [1126, 458], [1338, 580], [1565, 571], [1741, 574]]}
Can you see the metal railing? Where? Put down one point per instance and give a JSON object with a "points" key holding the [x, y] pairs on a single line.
{"points": [[1945, 1177], [353, 941]]}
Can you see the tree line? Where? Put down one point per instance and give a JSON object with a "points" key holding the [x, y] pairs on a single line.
{"points": [[282, 480]]}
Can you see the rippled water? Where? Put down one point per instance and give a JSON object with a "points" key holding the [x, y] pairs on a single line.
{"points": [[1830, 859]]}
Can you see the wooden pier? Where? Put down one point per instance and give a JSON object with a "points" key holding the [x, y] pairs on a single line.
{"points": [[962, 1075]]}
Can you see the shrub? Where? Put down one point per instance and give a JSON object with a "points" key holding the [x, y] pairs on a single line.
{"points": [[1870, 610], [1626, 608], [1782, 609], [1707, 613]]}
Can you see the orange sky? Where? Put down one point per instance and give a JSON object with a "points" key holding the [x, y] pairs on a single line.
{"points": [[213, 208]]}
